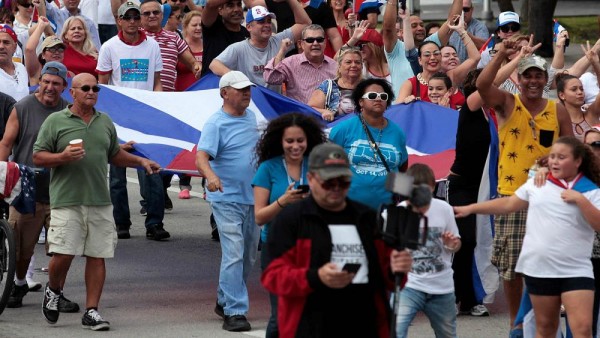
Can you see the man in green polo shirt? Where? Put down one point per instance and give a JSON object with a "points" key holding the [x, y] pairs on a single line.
{"points": [[80, 207]]}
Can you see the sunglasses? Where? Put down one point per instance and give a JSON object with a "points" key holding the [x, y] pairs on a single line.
{"points": [[513, 27], [466, 9], [131, 17], [319, 39], [25, 5], [493, 52], [595, 144], [87, 88], [178, 17], [429, 54], [342, 183], [55, 49], [155, 13], [375, 96], [361, 45]]}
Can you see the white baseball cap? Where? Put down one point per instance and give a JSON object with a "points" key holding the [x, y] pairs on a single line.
{"points": [[258, 13], [235, 79], [508, 17]]}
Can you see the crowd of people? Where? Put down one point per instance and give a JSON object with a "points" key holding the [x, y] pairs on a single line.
{"points": [[308, 198]]}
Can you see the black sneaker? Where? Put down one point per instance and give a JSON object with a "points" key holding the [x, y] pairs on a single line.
{"points": [[67, 306], [219, 310], [214, 231], [123, 232], [168, 203], [50, 305], [15, 299], [157, 232], [143, 211], [92, 320], [236, 323]]}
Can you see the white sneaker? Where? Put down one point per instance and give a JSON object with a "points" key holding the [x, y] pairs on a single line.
{"points": [[33, 285], [42, 238], [479, 311]]}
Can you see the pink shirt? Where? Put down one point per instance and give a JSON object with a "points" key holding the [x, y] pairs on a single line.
{"points": [[171, 46], [300, 76]]}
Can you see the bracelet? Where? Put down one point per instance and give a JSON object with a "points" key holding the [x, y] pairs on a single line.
{"points": [[449, 248], [279, 204]]}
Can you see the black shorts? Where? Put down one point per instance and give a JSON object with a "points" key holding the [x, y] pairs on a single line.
{"points": [[557, 286]]}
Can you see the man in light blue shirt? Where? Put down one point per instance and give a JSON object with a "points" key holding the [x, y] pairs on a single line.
{"points": [[476, 30], [225, 158]]}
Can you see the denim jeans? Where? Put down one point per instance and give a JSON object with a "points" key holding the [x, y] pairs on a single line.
{"points": [[153, 195], [440, 310], [155, 200], [239, 250]]}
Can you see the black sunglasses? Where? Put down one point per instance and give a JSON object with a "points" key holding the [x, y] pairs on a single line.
{"points": [[131, 17], [595, 144], [155, 13], [342, 183], [86, 88], [514, 27], [25, 5], [320, 39], [466, 9]]}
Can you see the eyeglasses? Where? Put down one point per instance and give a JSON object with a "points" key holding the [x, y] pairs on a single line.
{"points": [[25, 5], [375, 96], [178, 17], [319, 39], [339, 182], [429, 54], [55, 49], [466, 9], [155, 13], [513, 27], [86, 88], [131, 17], [595, 144]]}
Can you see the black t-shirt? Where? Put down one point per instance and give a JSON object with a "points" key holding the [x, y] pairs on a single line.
{"points": [[332, 312], [318, 11], [216, 38], [472, 144]]}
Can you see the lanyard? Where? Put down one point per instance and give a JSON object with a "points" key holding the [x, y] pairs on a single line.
{"points": [[290, 181]]}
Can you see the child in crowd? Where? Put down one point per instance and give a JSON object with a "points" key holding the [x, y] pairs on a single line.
{"points": [[430, 287], [440, 90]]}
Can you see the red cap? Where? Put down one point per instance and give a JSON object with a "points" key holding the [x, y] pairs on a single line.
{"points": [[373, 36], [8, 30]]}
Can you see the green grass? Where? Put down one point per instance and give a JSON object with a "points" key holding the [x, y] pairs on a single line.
{"points": [[581, 28]]}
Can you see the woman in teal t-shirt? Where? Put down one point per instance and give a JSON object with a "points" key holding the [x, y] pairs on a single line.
{"points": [[282, 154]]}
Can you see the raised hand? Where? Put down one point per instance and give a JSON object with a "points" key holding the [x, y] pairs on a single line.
{"points": [[590, 53]]}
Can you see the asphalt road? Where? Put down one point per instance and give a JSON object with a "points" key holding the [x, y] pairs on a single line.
{"points": [[168, 289]]}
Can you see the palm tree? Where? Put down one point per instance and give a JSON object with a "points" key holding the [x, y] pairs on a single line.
{"points": [[513, 155]]}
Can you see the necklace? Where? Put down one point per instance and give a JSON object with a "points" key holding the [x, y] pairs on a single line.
{"points": [[422, 80], [289, 179]]}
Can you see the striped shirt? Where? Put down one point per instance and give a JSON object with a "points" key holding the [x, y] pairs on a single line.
{"points": [[300, 76], [171, 46]]}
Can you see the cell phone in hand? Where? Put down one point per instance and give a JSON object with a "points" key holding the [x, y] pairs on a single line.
{"points": [[303, 188], [351, 267]]}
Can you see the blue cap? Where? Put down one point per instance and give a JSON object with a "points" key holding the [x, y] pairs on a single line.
{"points": [[258, 13], [55, 68]]}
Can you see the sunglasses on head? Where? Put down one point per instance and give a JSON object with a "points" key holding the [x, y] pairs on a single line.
{"points": [[319, 39], [466, 9], [375, 96], [339, 182], [86, 88], [131, 17], [514, 27], [155, 13]]}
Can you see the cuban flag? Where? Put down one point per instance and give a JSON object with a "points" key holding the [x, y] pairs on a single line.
{"points": [[557, 28], [488, 44], [369, 4]]}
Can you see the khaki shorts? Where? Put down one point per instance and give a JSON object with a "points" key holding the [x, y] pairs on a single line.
{"points": [[83, 230], [27, 227], [508, 240]]}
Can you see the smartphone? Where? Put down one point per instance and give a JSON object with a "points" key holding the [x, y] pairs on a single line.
{"points": [[403, 5], [303, 188], [351, 267]]}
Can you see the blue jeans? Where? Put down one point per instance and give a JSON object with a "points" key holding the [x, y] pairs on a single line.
{"points": [[151, 190], [239, 250], [440, 310]]}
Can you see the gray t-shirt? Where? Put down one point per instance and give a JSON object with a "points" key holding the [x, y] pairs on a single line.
{"points": [[31, 113], [251, 60]]}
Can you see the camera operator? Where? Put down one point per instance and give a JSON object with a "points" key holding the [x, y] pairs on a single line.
{"points": [[325, 264], [430, 287]]}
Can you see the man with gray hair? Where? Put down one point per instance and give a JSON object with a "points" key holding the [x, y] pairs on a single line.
{"points": [[302, 73]]}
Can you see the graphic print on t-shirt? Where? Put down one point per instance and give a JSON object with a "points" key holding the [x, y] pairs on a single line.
{"points": [[348, 248], [428, 258], [134, 70], [365, 161]]}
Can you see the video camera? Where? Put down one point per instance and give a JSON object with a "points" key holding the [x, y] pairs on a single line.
{"points": [[399, 224]]}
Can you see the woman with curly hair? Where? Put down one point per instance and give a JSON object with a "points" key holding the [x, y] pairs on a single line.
{"points": [[282, 157], [80, 55], [562, 217]]}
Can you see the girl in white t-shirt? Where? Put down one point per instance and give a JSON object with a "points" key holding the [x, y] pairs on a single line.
{"points": [[562, 217]]}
